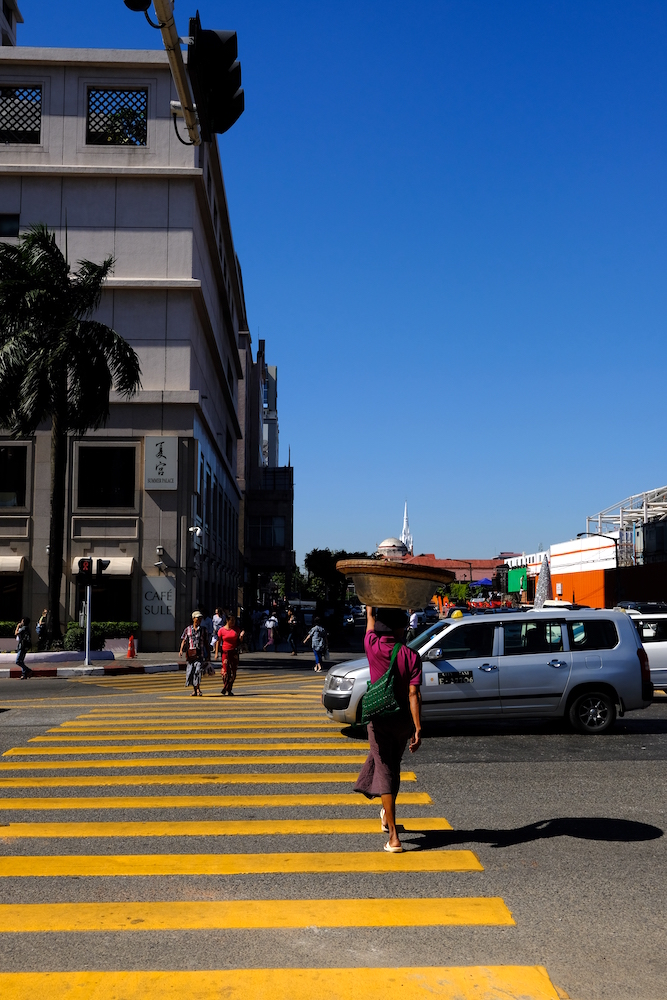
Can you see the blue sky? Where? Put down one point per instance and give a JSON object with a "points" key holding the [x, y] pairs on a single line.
{"points": [[451, 219]]}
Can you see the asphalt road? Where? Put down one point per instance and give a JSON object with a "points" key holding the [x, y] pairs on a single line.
{"points": [[569, 830]]}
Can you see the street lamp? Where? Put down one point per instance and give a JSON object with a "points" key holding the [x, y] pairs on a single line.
{"points": [[597, 534]]}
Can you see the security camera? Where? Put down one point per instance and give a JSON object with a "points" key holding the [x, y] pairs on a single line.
{"points": [[160, 565], [196, 531], [138, 6], [159, 550]]}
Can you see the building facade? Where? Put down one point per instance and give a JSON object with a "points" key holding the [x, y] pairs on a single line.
{"points": [[89, 149]]}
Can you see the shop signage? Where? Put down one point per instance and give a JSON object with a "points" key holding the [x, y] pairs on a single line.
{"points": [[158, 604], [161, 463]]}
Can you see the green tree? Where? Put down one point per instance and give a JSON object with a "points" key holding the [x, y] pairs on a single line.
{"points": [[56, 363], [324, 580]]}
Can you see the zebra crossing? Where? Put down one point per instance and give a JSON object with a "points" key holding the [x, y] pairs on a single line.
{"points": [[142, 753]]}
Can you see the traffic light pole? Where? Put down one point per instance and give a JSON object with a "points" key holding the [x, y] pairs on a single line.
{"points": [[89, 591], [165, 12]]}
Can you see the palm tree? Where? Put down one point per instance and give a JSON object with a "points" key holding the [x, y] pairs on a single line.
{"points": [[56, 363]]}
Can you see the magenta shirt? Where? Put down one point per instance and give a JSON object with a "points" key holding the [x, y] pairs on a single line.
{"points": [[378, 650]]}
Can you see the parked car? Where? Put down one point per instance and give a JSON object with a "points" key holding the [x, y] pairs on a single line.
{"points": [[585, 666], [431, 614], [652, 629]]}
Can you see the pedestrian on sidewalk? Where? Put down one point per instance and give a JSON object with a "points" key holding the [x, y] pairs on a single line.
{"points": [[413, 626], [195, 646], [293, 631], [23, 643], [271, 625], [320, 643], [229, 638], [40, 629], [207, 623], [388, 734]]}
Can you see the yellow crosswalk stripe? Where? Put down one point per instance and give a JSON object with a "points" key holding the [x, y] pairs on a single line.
{"points": [[214, 828], [183, 761], [117, 727], [257, 778], [284, 801], [266, 734], [489, 982], [43, 918], [171, 747], [57, 865]]}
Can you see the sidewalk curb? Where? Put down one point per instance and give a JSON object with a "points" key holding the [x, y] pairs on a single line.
{"points": [[96, 671]]}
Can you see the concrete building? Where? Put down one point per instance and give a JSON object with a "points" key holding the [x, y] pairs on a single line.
{"points": [[267, 488], [89, 149]]}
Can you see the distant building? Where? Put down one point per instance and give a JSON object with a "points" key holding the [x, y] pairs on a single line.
{"points": [[406, 537], [392, 548]]}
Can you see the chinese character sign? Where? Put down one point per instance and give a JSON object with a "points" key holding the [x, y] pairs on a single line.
{"points": [[161, 463]]}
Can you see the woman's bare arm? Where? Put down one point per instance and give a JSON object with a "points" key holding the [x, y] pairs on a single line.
{"points": [[415, 711], [370, 619]]}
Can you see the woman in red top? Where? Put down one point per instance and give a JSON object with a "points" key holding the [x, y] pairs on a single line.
{"points": [[388, 735], [229, 638]]}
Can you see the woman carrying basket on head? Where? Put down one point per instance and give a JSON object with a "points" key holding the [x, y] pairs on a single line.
{"points": [[388, 733], [228, 640]]}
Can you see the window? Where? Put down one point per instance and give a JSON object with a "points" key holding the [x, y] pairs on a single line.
{"points": [[208, 181], [106, 477], [532, 637], [9, 225], [596, 634], [467, 641], [655, 631], [266, 532], [229, 447], [7, 11], [230, 376], [13, 462], [215, 216], [21, 114], [117, 117]]}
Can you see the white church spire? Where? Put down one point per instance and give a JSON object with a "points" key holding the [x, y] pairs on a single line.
{"points": [[406, 537]]}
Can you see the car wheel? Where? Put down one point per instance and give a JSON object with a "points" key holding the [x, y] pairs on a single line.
{"points": [[592, 713]]}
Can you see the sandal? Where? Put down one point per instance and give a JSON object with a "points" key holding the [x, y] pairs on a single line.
{"points": [[393, 850]]}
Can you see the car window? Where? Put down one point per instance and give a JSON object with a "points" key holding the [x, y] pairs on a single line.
{"points": [[532, 637], [467, 641], [655, 631], [426, 636], [594, 634]]}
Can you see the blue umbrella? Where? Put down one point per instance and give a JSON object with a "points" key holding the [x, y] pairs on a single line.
{"points": [[483, 583]]}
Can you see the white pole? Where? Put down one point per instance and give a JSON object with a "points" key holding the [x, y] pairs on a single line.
{"points": [[89, 591]]}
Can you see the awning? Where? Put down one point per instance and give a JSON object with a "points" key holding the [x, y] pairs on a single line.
{"points": [[118, 565], [12, 564]]}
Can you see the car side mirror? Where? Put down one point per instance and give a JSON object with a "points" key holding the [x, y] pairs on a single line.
{"points": [[435, 653]]}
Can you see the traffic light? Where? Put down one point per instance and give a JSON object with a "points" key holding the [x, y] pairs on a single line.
{"points": [[86, 569], [215, 75], [102, 564]]}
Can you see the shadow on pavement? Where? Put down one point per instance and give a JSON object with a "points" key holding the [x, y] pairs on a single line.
{"points": [[585, 828]]}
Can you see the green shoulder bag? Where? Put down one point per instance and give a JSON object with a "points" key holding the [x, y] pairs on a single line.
{"points": [[380, 698]]}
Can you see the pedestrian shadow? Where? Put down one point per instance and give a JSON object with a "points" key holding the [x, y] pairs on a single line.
{"points": [[599, 828]]}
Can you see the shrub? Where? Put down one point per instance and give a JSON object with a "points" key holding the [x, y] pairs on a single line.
{"points": [[117, 630], [75, 638], [7, 630]]}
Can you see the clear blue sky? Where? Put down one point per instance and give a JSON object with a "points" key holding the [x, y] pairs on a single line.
{"points": [[451, 219]]}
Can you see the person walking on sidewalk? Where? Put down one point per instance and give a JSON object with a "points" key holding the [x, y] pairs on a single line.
{"points": [[23, 643], [293, 631], [388, 734], [229, 638], [319, 642], [196, 647], [271, 625], [40, 629]]}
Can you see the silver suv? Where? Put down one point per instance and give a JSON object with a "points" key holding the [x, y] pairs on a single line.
{"points": [[586, 666], [652, 628]]}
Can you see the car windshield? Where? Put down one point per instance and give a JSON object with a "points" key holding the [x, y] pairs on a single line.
{"points": [[427, 635]]}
